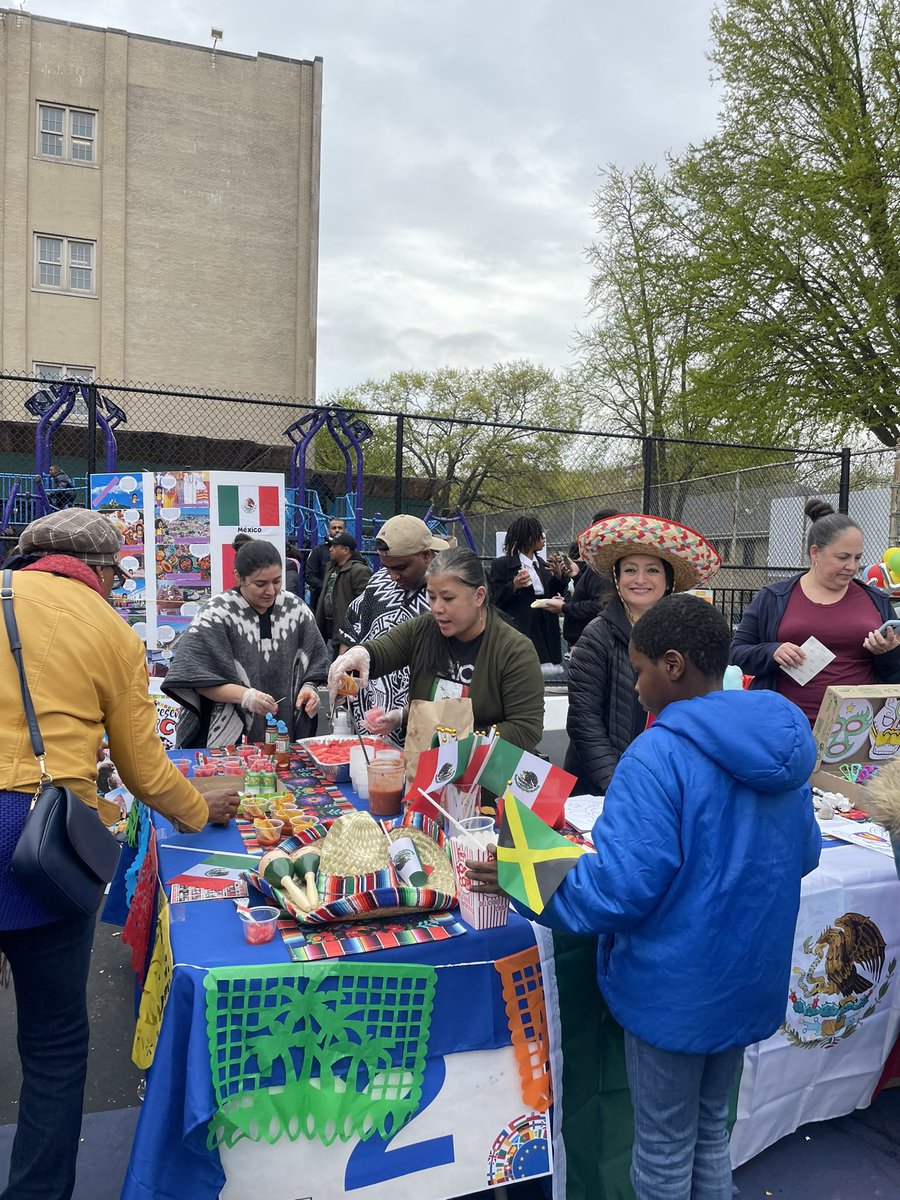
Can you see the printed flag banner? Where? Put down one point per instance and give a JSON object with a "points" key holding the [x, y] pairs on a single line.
{"points": [[532, 860], [536, 783], [436, 768], [248, 506]]}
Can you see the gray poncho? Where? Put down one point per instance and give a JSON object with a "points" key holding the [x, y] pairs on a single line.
{"points": [[229, 642]]}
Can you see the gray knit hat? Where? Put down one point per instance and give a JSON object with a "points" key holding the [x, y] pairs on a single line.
{"points": [[74, 531]]}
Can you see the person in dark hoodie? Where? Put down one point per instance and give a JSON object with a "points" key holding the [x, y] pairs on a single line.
{"points": [[642, 559], [589, 592], [706, 832]]}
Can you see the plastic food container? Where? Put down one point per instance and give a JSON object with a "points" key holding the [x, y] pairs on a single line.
{"points": [[259, 924], [385, 787], [336, 772], [268, 830]]}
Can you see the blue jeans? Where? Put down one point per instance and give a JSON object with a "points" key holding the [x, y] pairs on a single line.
{"points": [[680, 1122], [50, 970]]}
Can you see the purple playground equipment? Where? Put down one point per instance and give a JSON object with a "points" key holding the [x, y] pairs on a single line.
{"points": [[348, 431], [52, 405], [442, 526]]}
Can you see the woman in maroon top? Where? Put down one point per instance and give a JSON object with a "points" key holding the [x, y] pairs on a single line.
{"points": [[827, 602]]}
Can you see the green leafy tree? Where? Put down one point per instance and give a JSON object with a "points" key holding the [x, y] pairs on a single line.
{"points": [[795, 215], [467, 465]]}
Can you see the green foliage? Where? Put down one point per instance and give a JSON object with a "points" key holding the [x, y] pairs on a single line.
{"points": [[794, 209], [753, 293], [468, 467]]}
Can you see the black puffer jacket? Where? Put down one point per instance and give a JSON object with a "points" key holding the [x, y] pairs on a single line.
{"points": [[604, 713], [588, 598]]}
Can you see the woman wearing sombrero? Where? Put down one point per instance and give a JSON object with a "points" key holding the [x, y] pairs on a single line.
{"points": [[645, 558]]}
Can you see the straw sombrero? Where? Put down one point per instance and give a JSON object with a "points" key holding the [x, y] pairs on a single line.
{"points": [[692, 559]]}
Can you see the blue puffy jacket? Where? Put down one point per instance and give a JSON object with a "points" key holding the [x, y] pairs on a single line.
{"points": [[707, 830]]}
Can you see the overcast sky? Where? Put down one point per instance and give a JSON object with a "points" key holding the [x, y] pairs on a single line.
{"points": [[461, 142]]}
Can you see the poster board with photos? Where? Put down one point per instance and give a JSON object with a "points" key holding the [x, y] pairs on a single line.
{"points": [[178, 527]]}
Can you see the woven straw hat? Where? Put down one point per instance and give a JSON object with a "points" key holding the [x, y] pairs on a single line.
{"points": [[354, 845], [692, 559]]}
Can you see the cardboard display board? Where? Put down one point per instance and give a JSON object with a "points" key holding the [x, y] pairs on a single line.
{"points": [[855, 725], [177, 528]]}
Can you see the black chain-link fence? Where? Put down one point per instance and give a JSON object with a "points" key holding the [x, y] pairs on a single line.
{"points": [[473, 476]]}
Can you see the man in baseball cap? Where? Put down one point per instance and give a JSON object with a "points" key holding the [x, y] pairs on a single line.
{"points": [[394, 594], [402, 536]]}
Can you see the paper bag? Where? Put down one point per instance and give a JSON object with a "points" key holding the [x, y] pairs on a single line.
{"points": [[425, 717]]}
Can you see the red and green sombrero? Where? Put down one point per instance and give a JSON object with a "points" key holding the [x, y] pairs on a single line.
{"points": [[692, 558]]}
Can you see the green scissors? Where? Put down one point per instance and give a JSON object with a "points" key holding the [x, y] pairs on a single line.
{"points": [[850, 771]]}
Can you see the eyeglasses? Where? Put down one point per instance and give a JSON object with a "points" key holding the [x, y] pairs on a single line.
{"points": [[119, 575]]}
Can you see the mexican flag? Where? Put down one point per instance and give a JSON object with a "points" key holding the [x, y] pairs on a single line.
{"points": [[248, 505], [436, 768], [536, 783], [532, 860]]}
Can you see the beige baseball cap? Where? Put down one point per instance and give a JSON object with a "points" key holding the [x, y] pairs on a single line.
{"points": [[407, 535]]}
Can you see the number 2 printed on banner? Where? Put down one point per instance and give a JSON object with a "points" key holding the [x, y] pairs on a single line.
{"points": [[373, 1162]]}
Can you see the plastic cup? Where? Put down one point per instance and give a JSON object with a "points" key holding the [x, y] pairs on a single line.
{"points": [[300, 825], [480, 829], [268, 830], [259, 924], [385, 779], [478, 909], [254, 808], [358, 765], [348, 685], [183, 765]]}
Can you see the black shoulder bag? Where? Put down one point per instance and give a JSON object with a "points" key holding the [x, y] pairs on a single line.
{"points": [[65, 855]]}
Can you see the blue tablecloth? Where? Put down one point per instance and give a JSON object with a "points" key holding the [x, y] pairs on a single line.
{"points": [[170, 1157]]}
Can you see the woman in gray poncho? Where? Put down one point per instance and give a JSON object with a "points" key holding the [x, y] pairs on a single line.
{"points": [[253, 650]]}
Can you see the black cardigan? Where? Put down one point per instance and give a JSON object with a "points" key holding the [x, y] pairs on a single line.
{"points": [[540, 626], [604, 711]]}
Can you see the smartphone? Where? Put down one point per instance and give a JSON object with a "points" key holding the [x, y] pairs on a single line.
{"points": [[895, 625]]}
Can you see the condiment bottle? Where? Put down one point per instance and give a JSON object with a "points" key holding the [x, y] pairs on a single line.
{"points": [[282, 746]]}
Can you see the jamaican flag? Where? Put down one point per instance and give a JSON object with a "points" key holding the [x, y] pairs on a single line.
{"points": [[532, 860]]}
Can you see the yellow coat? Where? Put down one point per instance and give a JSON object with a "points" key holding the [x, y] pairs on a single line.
{"points": [[87, 673]]}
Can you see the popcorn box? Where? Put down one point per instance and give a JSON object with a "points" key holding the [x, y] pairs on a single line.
{"points": [[477, 909]]}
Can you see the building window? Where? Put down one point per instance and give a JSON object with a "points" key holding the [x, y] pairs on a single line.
{"points": [[67, 134], [64, 264], [58, 371]]}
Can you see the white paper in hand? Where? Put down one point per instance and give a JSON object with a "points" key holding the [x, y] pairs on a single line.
{"points": [[583, 811], [817, 658]]}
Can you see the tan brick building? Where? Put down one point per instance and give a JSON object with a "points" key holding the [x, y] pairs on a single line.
{"points": [[160, 210]]}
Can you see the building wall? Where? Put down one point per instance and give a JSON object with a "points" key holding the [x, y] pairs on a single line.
{"points": [[202, 201]]}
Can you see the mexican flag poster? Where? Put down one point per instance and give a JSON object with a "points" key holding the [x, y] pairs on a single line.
{"points": [[242, 502]]}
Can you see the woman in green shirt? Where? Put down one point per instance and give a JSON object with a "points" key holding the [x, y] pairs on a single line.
{"points": [[462, 647]]}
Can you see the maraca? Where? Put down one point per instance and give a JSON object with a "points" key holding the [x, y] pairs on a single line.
{"points": [[277, 870], [306, 863]]}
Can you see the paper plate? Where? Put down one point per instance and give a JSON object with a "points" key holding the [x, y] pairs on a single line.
{"points": [[540, 603]]}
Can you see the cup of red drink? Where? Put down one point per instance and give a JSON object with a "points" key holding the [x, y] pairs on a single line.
{"points": [[385, 779], [183, 765], [259, 924]]}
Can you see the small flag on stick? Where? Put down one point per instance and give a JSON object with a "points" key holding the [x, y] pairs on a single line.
{"points": [[532, 860]]}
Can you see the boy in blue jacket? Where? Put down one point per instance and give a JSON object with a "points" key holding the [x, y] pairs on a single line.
{"points": [[706, 832]]}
